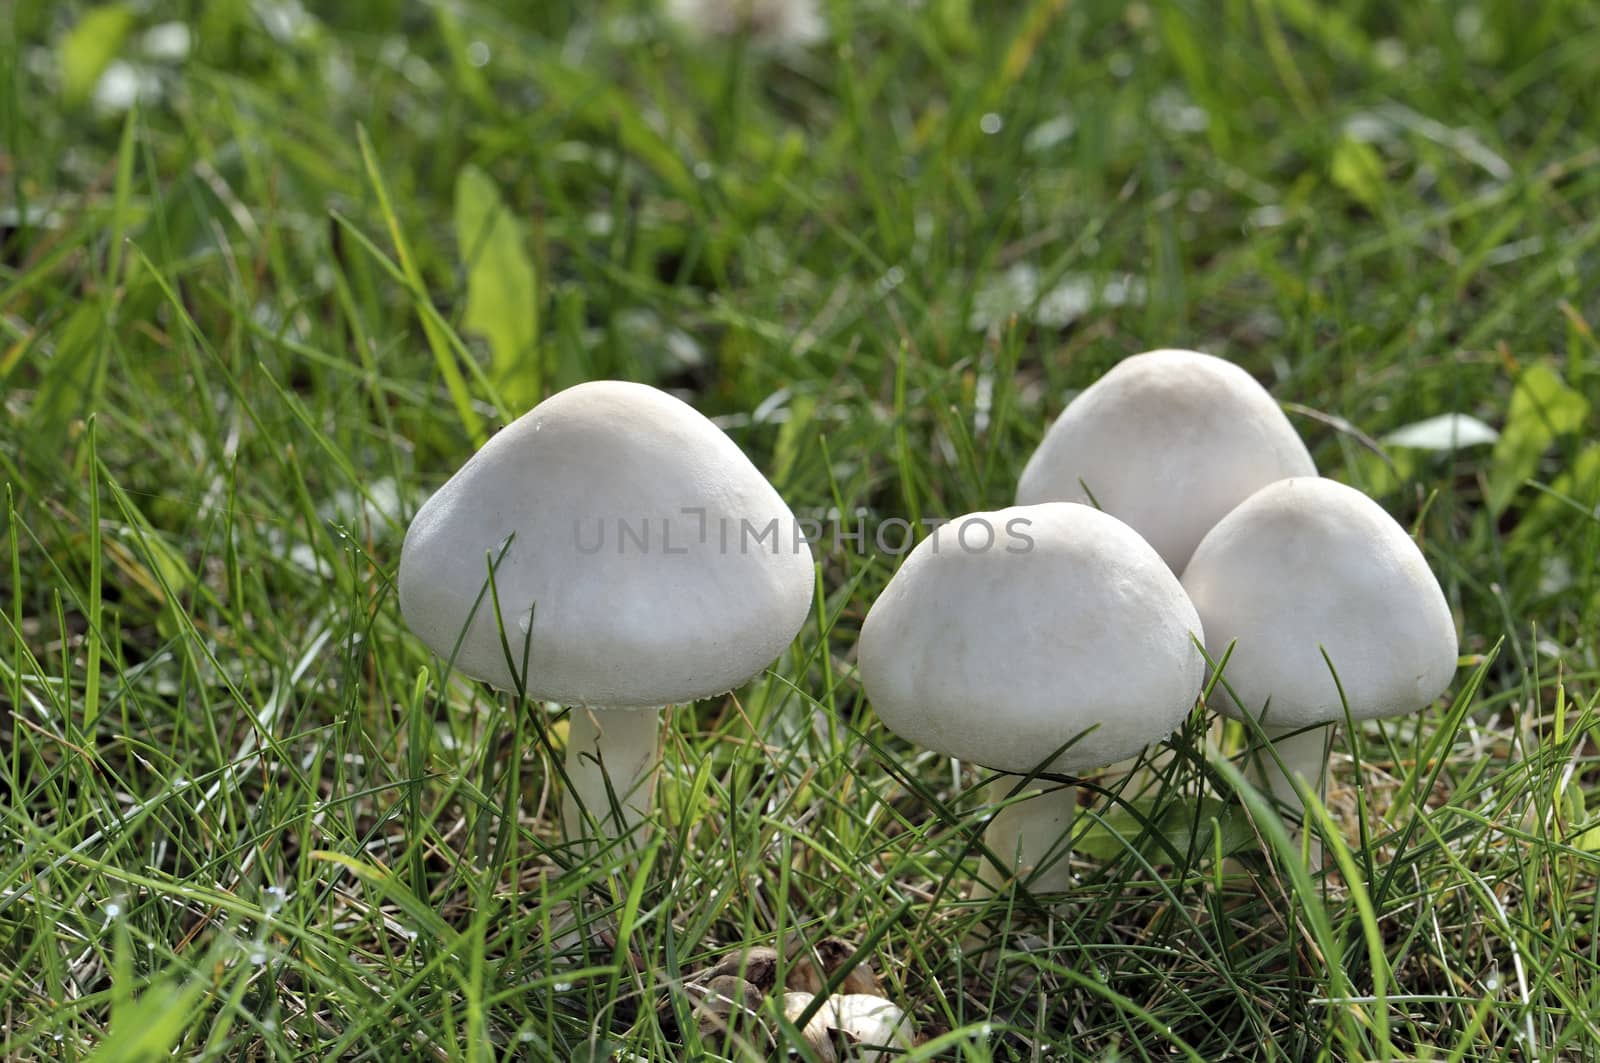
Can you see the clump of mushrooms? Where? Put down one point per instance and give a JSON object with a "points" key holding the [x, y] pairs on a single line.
{"points": [[1308, 567], [1167, 441], [615, 551], [1052, 637]]}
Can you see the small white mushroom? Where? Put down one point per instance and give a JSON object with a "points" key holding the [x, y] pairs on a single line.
{"points": [[1168, 441], [816, 1031], [1005, 636], [638, 555], [870, 1022], [1307, 566]]}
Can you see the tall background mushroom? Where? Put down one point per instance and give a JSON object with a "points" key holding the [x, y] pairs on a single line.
{"points": [[637, 554], [1168, 442]]}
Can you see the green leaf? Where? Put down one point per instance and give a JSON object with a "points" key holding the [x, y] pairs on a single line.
{"points": [[1574, 497], [1358, 170], [502, 291], [1543, 408], [89, 47], [67, 391], [151, 1028], [1181, 824], [952, 21]]}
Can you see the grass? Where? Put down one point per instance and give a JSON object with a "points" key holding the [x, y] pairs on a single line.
{"points": [[247, 325]]}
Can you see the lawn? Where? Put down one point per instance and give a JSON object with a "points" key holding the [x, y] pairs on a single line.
{"points": [[269, 273]]}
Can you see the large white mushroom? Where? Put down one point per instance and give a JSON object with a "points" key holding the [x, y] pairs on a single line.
{"points": [[1168, 441], [1007, 636], [637, 554], [1304, 567]]}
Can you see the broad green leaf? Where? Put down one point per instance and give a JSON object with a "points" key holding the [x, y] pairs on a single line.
{"points": [[1181, 824], [1573, 496], [1575, 814], [1358, 169], [89, 47], [67, 391], [952, 21], [502, 293], [1448, 431], [1543, 408], [151, 1028]]}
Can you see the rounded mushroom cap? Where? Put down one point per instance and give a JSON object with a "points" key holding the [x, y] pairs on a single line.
{"points": [[1067, 625], [1168, 441], [1309, 564], [653, 561]]}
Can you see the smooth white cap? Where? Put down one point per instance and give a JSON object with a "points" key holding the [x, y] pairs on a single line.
{"points": [[1067, 622], [660, 565], [1168, 441], [1308, 564]]}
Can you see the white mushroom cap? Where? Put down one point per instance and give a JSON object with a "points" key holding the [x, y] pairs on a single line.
{"points": [[1168, 441], [1309, 564], [705, 581], [1068, 621], [868, 1021]]}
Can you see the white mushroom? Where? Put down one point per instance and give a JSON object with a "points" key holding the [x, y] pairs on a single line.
{"points": [[1005, 636], [817, 1031], [1168, 441], [639, 558], [870, 1022], [1307, 566], [873, 1030]]}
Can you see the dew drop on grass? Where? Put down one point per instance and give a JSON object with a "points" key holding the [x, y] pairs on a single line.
{"points": [[991, 123], [113, 910], [258, 957], [478, 54], [526, 1037]]}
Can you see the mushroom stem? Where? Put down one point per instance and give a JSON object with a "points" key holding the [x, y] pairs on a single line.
{"points": [[1304, 752], [1034, 829], [612, 754]]}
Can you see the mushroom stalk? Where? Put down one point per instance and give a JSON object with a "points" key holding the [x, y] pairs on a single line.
{"points": [[1304, 752], [1034, 829], [611, 754]]}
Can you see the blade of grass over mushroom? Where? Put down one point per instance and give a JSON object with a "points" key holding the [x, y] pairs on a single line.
{"points": [[1287, 849], [1366, 917], [1414, 786]]}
